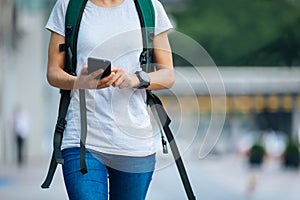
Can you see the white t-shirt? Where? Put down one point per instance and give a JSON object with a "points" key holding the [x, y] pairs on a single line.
{"points": [[118, 119]]}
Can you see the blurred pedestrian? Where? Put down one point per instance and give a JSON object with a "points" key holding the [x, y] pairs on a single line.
{"points": [[21, 130]]}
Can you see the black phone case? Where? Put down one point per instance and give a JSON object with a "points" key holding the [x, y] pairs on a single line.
{"points": [[96, 63]]}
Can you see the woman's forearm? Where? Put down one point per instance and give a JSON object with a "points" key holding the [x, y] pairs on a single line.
{"points": [[57, 77], [162, 79]]}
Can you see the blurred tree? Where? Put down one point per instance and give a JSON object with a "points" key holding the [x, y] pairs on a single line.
{"points": [[244, 32], [291, 156], [284, 50]]}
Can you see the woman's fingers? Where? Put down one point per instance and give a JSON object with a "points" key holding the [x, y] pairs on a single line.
{"points": [[123, 79], [118, 78], [96, 74], [90, 81], [84, 70], [106, 81]]}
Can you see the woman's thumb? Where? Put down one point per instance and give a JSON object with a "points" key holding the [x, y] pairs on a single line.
{"points": [[84, 70]]}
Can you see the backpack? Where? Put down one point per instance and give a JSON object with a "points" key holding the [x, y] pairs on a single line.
{"points": [[73, 18]]}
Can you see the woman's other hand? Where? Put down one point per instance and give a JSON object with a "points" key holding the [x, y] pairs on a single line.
{"points": [[122, 79]]}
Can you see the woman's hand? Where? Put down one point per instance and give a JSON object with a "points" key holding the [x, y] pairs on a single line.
{"points": [[57, 77], [122, 79], [88, 81]]}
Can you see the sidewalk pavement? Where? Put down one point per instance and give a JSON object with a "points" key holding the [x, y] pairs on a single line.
{"points": [[218, 178], [227, 178]]}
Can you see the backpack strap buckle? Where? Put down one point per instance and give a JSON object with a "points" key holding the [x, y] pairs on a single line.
{"points": [[60, 125], [58, 134], [144, 57], [63, 47]]}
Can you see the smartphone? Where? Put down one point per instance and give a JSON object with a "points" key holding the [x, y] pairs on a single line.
{"points": [[96, 64]]}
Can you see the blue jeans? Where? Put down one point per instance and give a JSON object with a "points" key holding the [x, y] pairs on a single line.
{"points": [[101, 178]]}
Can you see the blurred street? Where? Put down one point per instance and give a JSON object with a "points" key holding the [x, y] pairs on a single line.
{"points": [[214, 178], [223, 175]]}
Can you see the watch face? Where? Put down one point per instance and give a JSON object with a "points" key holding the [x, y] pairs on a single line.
{"points": [[144, 79]]}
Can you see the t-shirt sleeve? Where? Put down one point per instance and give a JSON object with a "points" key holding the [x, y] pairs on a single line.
{"points": [[162, 22], [56, 21]]}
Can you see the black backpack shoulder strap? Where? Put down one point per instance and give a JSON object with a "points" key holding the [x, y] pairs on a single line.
{"points": [[73, 17], [164, 120]]}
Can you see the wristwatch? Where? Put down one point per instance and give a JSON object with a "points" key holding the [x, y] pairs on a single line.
{"points": [[144, 79]]}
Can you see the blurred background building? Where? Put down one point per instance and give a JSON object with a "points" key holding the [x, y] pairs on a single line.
{"points": [[254, 47], [22, 73]]}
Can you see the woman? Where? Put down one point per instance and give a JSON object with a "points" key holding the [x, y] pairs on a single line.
{"points": [[120, 147]]}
